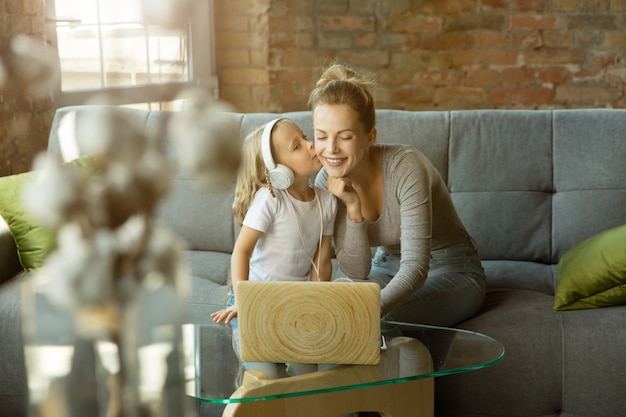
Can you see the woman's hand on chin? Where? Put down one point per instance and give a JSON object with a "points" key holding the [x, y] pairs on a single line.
{"points": [[342, 188]]}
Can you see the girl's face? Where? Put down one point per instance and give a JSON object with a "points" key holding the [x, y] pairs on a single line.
{"points": [[340, 140], [292, 149]]}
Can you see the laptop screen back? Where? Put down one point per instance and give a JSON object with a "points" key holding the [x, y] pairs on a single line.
{"points": [[309, 322]]}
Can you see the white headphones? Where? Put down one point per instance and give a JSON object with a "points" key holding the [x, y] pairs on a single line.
{"points": [[280, 175]]}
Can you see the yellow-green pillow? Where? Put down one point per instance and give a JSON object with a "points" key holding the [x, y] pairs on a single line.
{"points": [[34, 242], [593, 273]]}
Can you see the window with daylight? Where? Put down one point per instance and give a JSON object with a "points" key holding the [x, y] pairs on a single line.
{"points": [[105, 45]]}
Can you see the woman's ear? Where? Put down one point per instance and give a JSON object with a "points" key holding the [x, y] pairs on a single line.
{"points": [[371, 137]]}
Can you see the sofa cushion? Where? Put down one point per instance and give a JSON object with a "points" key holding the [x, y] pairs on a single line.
{"points": [[9, 260], [593, 362], [593, 273], [523, 275], [209, 274], [503, 159], [590, 191], [34, 242], [203, 219], [524, 322]]}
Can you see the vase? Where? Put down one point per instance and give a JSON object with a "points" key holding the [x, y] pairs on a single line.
{"points": [[119, 359]]}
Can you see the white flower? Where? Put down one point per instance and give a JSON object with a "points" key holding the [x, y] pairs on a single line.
{"points": [[80, 272], [135, 188], [31, 66], [130, 235], [133, 173], [207, 142], [164, 256], [109, 245], [157, 250], [54, 192], [152, 170], [108, 132]]}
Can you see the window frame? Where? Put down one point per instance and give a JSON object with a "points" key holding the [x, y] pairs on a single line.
{"points": [[201, 68]]}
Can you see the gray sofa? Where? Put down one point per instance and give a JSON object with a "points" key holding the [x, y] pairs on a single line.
{"points": [[528, 185]]}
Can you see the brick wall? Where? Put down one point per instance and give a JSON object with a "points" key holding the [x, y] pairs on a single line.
{"points": [[24, 119], [428, 54]]}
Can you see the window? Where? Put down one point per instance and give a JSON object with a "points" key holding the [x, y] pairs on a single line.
{"points": [[105, 46]]}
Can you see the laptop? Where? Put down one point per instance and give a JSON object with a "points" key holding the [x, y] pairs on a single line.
{"points": [[309, 322]]}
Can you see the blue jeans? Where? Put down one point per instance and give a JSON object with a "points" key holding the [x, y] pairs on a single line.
{"points": [[453, 291]]}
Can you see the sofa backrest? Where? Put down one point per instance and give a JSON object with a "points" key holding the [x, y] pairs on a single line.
{"points": [[528, 184], [203, 219]]}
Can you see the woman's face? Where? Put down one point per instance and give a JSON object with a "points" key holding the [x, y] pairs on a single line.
{"points": [[340, 140]]}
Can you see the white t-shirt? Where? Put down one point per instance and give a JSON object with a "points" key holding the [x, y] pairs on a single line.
{"points": [[286, 223]]}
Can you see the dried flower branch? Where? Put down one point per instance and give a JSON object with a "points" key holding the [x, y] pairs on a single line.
{"points": [[104, 215]]}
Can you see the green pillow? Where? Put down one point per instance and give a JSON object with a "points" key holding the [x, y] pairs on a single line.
{"points": [[593, 273], [34, 242]]}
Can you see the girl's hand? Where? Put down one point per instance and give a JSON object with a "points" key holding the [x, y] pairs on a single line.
{"points": [[225, 315]]}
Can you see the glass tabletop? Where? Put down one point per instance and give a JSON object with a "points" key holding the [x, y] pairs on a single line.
{"points": [[409, 352]]}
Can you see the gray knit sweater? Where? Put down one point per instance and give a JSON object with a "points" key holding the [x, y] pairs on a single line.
{"points": [[418, 216]]}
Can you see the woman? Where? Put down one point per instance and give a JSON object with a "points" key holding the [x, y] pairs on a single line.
{"points": [[392, 197]]}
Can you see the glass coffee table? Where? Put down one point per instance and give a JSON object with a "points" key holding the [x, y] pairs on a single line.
{"points": [[401, 385]]}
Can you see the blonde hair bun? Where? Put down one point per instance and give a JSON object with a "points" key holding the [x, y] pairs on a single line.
{"points": [[340, 84], [343, 72]]}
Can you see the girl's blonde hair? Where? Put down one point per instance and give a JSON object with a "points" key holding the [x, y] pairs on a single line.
{"points": [[341, 84], [252, 174]]}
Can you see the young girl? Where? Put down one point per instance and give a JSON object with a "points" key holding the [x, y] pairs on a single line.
{"points": [[286, 224]]}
